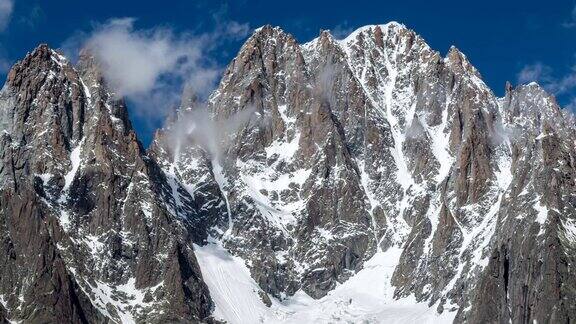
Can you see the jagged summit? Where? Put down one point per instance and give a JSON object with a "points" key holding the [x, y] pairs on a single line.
{"points": [[42, 50], [268, 31], [41, 55], [392, 26], [86, 218]]}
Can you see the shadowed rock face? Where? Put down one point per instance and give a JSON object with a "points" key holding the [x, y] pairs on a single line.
{"points": [[306, 161], [529, 272], [89, 232]]}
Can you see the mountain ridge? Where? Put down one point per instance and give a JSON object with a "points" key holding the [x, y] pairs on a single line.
{"points": [[335, 163]]}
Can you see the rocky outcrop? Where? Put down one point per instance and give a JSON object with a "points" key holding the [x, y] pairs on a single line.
{"points": [[532, 248], [87, 218]]}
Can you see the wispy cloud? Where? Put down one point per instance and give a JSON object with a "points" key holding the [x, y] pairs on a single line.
{"points": [[6, 8], [5, 62], [535, 72], [34, 17], [571, 22], [196, 126], [151, 66], [342, 30], [134, 61], [227, 28], [561, 85], [571, 104]]}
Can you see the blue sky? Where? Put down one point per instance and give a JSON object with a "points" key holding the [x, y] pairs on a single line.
{"points": [[505, 40]]}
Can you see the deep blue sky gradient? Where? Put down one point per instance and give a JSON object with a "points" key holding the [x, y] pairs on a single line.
{"points": [[499, 37]]}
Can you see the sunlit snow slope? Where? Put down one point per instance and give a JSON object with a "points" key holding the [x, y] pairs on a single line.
{"points": [[366, 297]]}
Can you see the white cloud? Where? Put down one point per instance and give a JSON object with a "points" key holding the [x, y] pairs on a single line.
{"points": [[6, 8], [151, 66], [196, 126], [571, 23], [566, 83], [235, 29], [571, 105], [342, 30], [5, 64], [559, 86], [134, 61], [228, 28], [534, 72], [541, 73], [33, 18]]}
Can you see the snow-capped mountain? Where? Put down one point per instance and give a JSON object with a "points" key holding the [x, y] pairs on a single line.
{"points": [[367, 179]]}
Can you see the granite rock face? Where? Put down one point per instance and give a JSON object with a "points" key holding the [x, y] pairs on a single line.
{"points": [[284, 172], [306, 162]]}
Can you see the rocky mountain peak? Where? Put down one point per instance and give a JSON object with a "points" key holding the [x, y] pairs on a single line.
{"points": [[89, 201], [393, 28], [42, 59], [268, 34], [325, 37], [529, 106], [390, 35], [456, 60], [44, 109]]}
